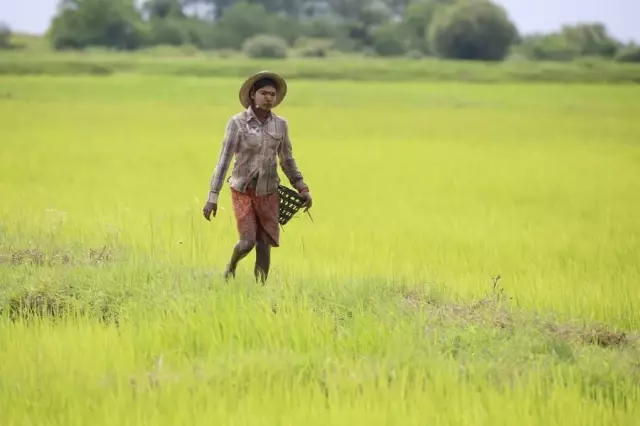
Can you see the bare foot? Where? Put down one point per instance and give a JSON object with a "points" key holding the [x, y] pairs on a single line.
{"points": [[228, 273]]}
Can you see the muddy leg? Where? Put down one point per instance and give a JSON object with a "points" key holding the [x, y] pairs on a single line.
{"points": [[263, 261], [240, 251]]}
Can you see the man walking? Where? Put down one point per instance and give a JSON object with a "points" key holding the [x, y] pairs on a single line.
{"points": [[257, 138]]}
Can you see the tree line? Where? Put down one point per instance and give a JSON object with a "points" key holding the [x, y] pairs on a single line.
{"points": [[453, 29]]}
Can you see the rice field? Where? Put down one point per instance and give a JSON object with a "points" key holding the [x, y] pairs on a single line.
{"points": [[473, 259]]}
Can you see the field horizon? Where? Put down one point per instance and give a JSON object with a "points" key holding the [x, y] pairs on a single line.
{"points": [[472, 257], [34, 56]]}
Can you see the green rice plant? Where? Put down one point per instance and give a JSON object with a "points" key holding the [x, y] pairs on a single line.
{"points": [[473, 257]]}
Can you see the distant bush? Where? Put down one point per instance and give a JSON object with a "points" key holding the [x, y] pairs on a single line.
{"points": [[314, 52], [265, 46], [5, 36], [548, 47], [313, 47], [115, 24], [388, 41], [572, 42], [453, 29], [320, 28], [477, 30], [418, 19], [590, 39], [245, 20], [630, 53], [414, 54], [169, 32]]}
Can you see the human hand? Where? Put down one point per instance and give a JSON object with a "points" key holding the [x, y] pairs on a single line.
{"points": [[209, 209], [308, 201]]}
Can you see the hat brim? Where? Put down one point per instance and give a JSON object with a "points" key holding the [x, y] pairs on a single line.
{"points": [[245, 89]]}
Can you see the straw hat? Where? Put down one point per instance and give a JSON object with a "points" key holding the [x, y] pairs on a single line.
{"points": [[245, 89]]}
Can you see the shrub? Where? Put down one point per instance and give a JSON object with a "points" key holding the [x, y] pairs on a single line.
{"points": [[245, 20], [313, 47], [111, 24], [630, 53], [479, 30], [265, 46], [5, 36], [590, 39], [388, 41], [414, 54], [547, 47], [169, 32], [320, 28], [417, 21]]}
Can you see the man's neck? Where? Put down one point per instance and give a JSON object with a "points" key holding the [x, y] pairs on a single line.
{"points": [[262, 114]]}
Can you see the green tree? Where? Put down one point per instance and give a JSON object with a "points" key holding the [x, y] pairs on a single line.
{"points": [[590, 39], [472, 29], [244, 20], [360, 18], [629, 53], [239, 22], [216, 8], [417, 21], [320, 27], [5, 36], [170, 31], [170, 25], [546, 47], [163, 9], [388, 40], [200, 33], [109, 23], [398, 7]]}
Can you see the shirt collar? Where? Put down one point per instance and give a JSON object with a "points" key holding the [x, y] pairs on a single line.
{"points": [[249, 115]]}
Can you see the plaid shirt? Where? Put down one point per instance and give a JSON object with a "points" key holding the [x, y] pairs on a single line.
{"points": [[256, 146]]}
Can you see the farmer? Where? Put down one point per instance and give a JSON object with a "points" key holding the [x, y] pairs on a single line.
{"points": [[256, 136]]}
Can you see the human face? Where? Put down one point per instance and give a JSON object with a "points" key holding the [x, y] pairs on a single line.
{"points": [[265, 97]]}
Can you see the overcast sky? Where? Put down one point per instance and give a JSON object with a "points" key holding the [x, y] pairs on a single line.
{"points": [[620, 16]]}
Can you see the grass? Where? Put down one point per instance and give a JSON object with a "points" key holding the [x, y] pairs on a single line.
{"points": [[223, 64], [473, 258]]}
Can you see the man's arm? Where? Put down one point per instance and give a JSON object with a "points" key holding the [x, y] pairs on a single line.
{"points": [[288, 163], [229, 144]]}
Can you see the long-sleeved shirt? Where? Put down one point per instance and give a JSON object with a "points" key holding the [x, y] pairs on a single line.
{"points": [[256, 147]]}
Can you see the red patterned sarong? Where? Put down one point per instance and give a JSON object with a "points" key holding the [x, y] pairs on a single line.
{"points": [[257, 216]]}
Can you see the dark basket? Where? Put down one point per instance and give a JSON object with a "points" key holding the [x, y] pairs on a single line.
{"points": [[290, 202]]}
